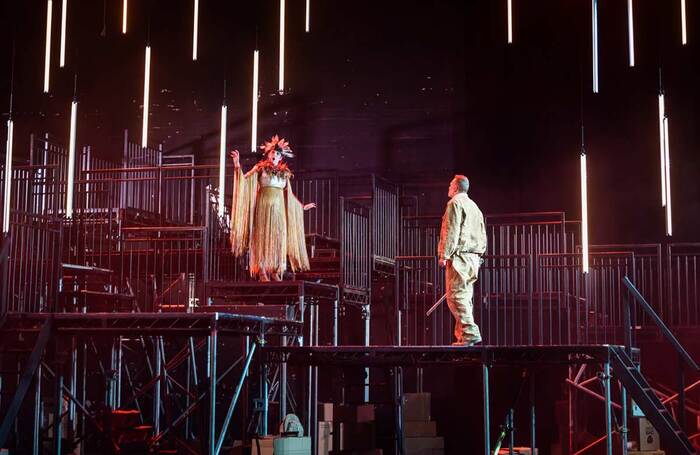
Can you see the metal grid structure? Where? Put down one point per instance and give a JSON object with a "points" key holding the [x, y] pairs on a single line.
{"points": [[135, 266]]}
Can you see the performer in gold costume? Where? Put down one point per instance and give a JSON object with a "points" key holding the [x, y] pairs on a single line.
{"points": [[266, 218]]}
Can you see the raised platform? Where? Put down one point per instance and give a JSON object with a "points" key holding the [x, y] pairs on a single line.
{"points": [[189, 324], [383, 356], [275, 292]]}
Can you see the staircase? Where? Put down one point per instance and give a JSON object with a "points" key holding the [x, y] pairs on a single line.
{"points": [[627, 373], [324, 259]]}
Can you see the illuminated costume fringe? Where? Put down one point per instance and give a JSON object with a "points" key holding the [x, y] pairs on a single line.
{"points": [[261, 225]]}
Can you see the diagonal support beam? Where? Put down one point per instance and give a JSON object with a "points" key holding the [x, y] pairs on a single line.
{"points": [[234, 400], [26, 380]]}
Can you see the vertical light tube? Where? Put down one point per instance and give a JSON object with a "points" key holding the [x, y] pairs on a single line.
{"points": [[684, 25], [146, 95], [584, 214], [47, 54], [71, 159], [510, 21], [594, 23], [8, 177], [254, 113], [64, 19], [662, 148], [307, 26], [667, 172], [195, 30], [630, 31], [222, 160], [125, 10], [281, 65]]}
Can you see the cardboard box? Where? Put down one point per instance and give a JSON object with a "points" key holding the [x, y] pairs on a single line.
{"points": [[646, 452], [648, 436], [364, 413], [414, 446], [325, 412], [266, 446], [325, 437], [292, 446], [417, 428], [329, 412], [416, 407], [353, 436]]}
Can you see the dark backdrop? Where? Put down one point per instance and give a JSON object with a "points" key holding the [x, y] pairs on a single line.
{"points": [[413, 89]]}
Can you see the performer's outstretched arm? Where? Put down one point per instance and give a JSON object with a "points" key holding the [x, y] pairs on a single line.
{"points": [[243, 205], [296, 237]]}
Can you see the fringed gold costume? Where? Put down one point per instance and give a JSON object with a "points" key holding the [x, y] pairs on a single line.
{"points": [[266, 223]]}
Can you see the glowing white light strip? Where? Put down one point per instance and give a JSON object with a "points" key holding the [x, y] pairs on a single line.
{"points": [[8, 177], [281, 76], [662, 148], [64, 17], [125, 10], [510, 21], [146, 94], [222, 161], [667, 172], [254, 115], [684, 26], [630, 31], [307, 26], [71, 159], [594, 19], [584, 214], [195, 30], [47, 55]]}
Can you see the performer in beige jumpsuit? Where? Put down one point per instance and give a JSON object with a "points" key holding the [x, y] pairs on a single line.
{"points": [[462, 243]]}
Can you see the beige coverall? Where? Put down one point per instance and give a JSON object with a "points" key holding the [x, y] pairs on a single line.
{"points": [[462, 243]]}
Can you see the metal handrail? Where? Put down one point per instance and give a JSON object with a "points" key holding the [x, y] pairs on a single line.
{"points": [[660, 323]]}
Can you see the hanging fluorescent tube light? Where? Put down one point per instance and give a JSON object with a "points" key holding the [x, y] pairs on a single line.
{"points": [[8, 177], [667, 172], [254, 113], [584, 214], [222, 160], [71, 159], [594, 20], [47, 54], [307, 27], [630, 31], [146, 95], [684, 25], [662, 148], [125, 9], [64, 18], [510, 21], [281, 63], [195, 30]]}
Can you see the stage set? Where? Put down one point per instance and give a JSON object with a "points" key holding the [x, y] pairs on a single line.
{"points": [[130, 322]]}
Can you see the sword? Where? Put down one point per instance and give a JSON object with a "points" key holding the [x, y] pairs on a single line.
{"points": [[437, 304]]}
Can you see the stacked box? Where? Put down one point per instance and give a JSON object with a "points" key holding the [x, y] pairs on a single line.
{"points": [[419, 430], [346, 428], [266, 446], [292, 446]]}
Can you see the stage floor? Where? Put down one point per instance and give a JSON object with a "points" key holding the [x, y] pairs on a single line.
{"points": [[189, 324], [386, 356]]}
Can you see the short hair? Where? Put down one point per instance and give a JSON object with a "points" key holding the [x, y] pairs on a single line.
{"points": [[462, 183]]}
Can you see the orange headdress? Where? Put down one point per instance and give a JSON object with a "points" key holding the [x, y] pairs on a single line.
{"points": [[278, 144]]}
